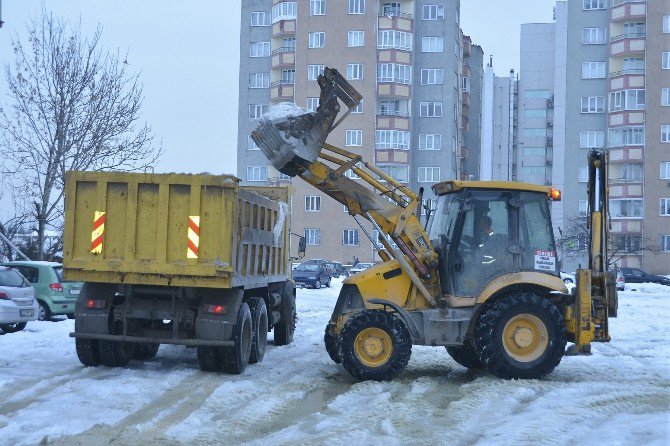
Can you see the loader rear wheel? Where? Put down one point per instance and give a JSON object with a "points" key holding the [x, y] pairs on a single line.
{"points": [[209, 358], [236, 358], [285, 328], [259, 325], [466, 356], [374, 345], [88, 352], [331, 345], [144, 351], [521, 336]]}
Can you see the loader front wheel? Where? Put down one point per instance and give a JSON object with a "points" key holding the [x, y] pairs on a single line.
{"points": [[466, 356], [374, 345], [521, 336], [330, 340]]}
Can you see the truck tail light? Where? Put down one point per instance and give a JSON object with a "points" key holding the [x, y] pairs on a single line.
{"points": [[4, 296], [216, 309], [96, 304], [56, 287]]}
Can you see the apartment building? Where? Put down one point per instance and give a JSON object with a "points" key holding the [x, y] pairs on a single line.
{"points": [[407, 58]]}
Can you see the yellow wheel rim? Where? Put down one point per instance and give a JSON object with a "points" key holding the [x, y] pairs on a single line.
{"points": [[525, 337], [373, 346]]}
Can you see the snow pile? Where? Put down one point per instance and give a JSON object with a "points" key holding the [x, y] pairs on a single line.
{"points": [[281, 218], [284, 110]]}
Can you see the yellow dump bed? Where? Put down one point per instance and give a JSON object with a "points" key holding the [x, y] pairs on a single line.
{"points": [[174, 230]]}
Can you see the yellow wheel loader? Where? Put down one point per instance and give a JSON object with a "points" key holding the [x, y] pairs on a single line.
{"points": [[482, 279]]}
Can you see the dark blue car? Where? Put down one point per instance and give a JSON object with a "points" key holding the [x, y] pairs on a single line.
{"points": [[312, 275]]}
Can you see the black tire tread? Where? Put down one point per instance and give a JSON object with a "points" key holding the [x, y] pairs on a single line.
{"points": [[400, 337], [13, 328], [88, 352], [257, 306], [466, 356], [144, 351], [209, 358], [234, 360], [330, 341], [285, 328], [492, 354]]}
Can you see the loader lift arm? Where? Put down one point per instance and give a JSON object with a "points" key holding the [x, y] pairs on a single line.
{"points": [[296, 146]]}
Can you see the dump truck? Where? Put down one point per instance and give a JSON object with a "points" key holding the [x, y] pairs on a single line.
{"points": [[194, 260], [481, 278]]}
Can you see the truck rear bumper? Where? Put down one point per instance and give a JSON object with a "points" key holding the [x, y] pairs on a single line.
{"points": [[187, 342]]}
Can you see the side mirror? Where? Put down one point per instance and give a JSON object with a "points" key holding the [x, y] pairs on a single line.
{"points": [[302, 246]]}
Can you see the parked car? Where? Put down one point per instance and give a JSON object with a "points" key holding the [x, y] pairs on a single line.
{"points": [[54, 295], [311, 274], [17, 301], [570, 279], [634, 275], [337, 269], [360, 267], [326, 263]]}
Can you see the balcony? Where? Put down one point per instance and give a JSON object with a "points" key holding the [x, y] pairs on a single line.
{"points": [[628, 72], [392, 120], [397, 21], [283, 28], [466, 70], [465, 124], [465, 152], [465, 98], [283, 57], [467, 46], [394, 90], [282, 90], [627, 44], [625, 10]]}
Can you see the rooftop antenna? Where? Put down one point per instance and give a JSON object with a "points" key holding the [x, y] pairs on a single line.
{"points": [[491, 61]]}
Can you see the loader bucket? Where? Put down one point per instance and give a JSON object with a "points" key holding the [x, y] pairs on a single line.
{"points": [[292, 138]]}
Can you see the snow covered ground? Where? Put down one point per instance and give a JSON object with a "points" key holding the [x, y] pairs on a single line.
{"points": [[619, 395]]}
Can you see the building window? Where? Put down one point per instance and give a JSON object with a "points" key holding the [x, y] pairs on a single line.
{"points": [[665, 97], [429, 174], [432, 76], [593, 36], [632, 29], [583, 208], [358, 108], [288, 77], [251, 144], [593, 104], [534, 151], [633, 65], [627, 100], [535, 113], [257, 110], [626, 136], [626, 208], [391, 9], [312, 203], [430, 109], [313, 71], [317, 7], [284, 11], [630, 172], [389, 108], [666, 24], [665, 243], [350, 236], [317, 39], [257, 173], [432, 12], [583, 174], [665, 62], [399, 40], [312, 104], [590, 5], [665, 170], [665, 133], [537, 94], [429, 204], [430, 141], [591, 139], [356, 6], [397, 172], [313, 236], [534, 132], [354, 138], [393, 72], [351, 175], [534, 170], [355, 71], [356, 38], [392, 139], [432, 44], [260, 18], [593, 70], [259, 49], [665, 207], [259, 80]]}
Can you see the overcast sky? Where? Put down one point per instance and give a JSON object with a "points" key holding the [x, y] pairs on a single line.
{"points": [[188, 52]]}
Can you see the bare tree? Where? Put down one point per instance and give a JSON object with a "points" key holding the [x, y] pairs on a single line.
{"points": [[72, 106]]}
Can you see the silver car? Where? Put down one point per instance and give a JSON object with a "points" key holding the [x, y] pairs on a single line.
{"points": [[17, 301]]}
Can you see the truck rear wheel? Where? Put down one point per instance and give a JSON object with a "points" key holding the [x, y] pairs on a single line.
{"points": [[285, 328], [466, 356], [116, 353], [88, 352], [236, 358], [259, 325], [374, 345], [330, 340], [144, 351], [209, 358], [522, 336]]}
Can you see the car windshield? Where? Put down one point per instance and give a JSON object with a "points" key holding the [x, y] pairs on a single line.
{"points": [[307, 267], [11, 277]]}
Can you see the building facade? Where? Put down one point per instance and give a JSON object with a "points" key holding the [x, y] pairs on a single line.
{"points": [[410, 62]]}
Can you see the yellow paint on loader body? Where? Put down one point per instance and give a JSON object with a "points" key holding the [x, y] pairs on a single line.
{"points": [[173, 230]]}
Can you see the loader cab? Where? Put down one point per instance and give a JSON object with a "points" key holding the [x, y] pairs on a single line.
{"points": [[487, 229]]}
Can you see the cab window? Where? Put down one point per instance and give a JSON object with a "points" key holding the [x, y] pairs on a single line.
{"points": [[538, 251]]}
